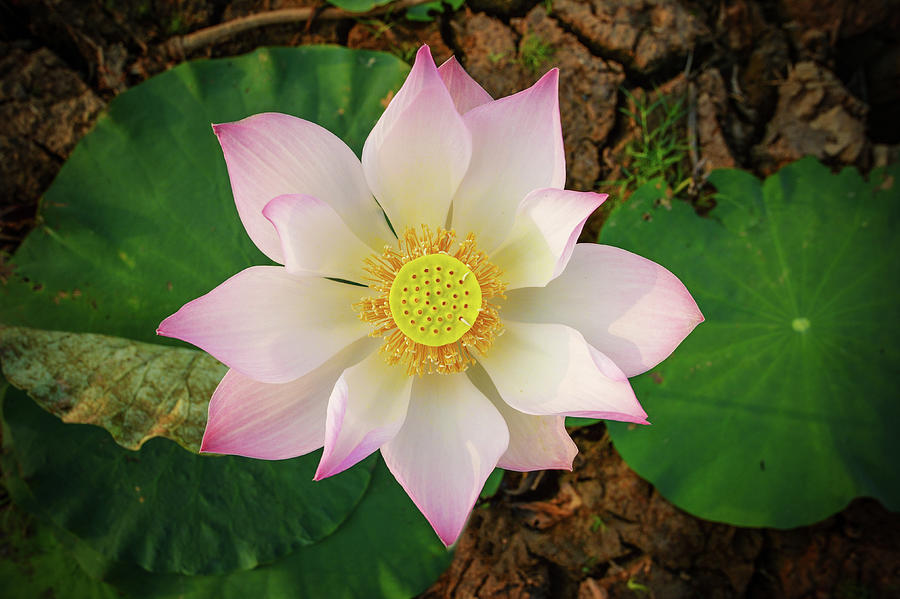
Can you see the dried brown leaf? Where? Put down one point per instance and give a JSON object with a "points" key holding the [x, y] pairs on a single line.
{"points": [[134, 390]]}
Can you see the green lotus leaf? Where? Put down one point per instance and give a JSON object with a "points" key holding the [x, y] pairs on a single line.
{"points": [[35, 564], [385, 548], [141, 218], [139, 221], [358, 5], [779, 409], [166, 509], [428, 10]]}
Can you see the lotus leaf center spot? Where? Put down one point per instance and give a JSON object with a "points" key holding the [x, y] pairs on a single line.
{"points": [[800, 324], [435, 299]]}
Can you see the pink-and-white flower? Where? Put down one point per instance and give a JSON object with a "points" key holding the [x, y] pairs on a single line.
{"points": [[469, 335]]}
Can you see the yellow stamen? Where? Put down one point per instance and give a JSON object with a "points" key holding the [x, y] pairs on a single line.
{"points": [[406, 280]]}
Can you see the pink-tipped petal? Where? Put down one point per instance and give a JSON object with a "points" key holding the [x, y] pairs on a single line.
{"points": [[366, 409], [275, 421], [419, 150], [449, 444], [546, 227], [535, 442], [273, 154], [630, 308], [315, 240], [549, 369], [464, 90], [270, 325], [517, 147]]}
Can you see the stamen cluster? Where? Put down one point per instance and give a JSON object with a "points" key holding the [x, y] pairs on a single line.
{"points": [[398, 348]]}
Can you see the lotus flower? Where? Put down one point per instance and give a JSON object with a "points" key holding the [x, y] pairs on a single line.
{"points": [[457, 344]]}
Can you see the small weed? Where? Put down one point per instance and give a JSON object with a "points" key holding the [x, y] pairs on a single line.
{"points": [[589, 564], [660, 147], [175, 24], [598, 524], [634, 585], [406, 52], [376, 26], [534, 52], [495, 57]]}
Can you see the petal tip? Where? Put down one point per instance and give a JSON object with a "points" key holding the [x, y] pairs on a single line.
{"points": [[275, 204], [550, 78], [164, 329], [327, 467], [423, 51], [448, 535], [693, 316], [639, 417], [450, 62], [566, 464], [173, 325], [206, 444], [594, 201], [699, 317], [560, 463]]}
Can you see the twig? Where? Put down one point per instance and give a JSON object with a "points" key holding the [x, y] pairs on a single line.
{"points": [[179, 46]]}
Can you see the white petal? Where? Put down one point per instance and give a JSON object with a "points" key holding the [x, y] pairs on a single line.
{"points": [[449, 444], [546, 228], [535, 442], [418, 151], [366, 409], [630, 308], [466, 93], [517, 147], [276, 421], [273, 154], [315, 239], [270, 325], [548, 369]]}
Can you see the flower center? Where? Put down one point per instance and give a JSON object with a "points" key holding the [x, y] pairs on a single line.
{"points": [[435, 299], [433, 302]]}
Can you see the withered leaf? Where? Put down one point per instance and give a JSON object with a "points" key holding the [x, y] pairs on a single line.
{"points": [[134, 390]]}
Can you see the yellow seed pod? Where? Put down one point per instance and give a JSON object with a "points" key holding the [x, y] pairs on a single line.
{"points": [[435, 299]]}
